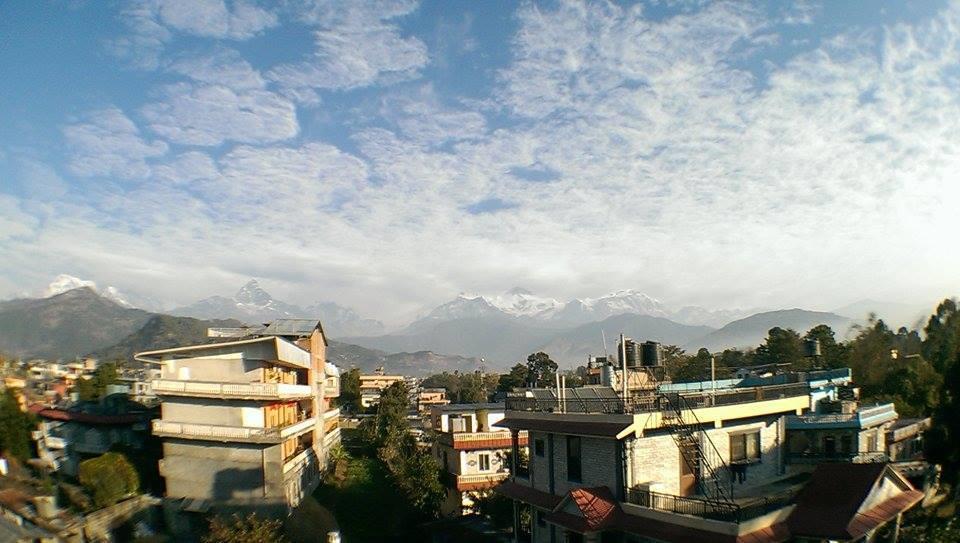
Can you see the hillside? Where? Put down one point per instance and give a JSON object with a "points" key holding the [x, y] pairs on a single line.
{"points": [[161, 332], [499, 340], [419, 364], [73, 323], [574, 346], [752, 331]]}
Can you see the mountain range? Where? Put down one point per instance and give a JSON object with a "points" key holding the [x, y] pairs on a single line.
{"points": [[253, 305], [472, 330]]}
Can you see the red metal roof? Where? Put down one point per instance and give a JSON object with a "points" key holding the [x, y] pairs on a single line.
{"points": [[86, 418]]}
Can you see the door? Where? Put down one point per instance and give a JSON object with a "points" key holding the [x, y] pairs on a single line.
{"points": [[688, 475]]}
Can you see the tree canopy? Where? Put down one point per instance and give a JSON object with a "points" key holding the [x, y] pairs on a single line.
{"points": [[15, 426]]}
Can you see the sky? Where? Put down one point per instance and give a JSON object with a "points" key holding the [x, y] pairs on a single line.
{"points": [[389, 155]]}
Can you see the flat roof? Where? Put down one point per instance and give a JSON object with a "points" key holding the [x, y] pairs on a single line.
{"points": [[589, 428]]}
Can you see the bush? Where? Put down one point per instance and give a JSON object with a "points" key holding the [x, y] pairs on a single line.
{"points": [[109, 478], [244, 530]]}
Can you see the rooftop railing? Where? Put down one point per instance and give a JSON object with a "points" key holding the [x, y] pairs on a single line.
{"points": [[652, 402], [710, 509]]}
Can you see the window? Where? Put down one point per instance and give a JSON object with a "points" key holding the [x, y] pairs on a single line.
{"points": [[540, 521], [538, 447], [484, 462], [872, 442], [574, 472], [745, 447]]}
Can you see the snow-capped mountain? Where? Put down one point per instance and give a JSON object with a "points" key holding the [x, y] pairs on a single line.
{"points": [[521, 304], [65, 283], [252, 304]]}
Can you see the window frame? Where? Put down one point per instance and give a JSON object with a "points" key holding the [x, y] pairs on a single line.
{"points": [[743, 441], [483, 458], [574, 475]]}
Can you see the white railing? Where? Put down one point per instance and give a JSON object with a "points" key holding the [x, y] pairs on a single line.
{"points": [[333, 413], [245, 390], [492, 477], [305, 457], [229, 433], [331, 438]]}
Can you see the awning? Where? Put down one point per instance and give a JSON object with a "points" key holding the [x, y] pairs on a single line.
{"points": [[529, 495]]}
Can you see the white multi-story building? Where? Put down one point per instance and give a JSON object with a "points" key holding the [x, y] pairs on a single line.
{"points": [[246, 422], [684, 462], [474, 454]]}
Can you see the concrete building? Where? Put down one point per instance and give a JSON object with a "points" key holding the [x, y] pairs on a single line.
{"points": [[684, 462], [428, 398], [474, 454], [246, 422], [372, 385]]}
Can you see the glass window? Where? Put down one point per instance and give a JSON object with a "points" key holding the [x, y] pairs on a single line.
{"points": [[538, 447], [745, 447], [574, 472], [484, 462]]}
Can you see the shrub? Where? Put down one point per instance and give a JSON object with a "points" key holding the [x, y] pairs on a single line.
{"points": [[109, 478]]}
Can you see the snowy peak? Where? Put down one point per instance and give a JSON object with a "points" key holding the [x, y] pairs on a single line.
{"points": [[253, 294], [65, 283], [252, 304]]}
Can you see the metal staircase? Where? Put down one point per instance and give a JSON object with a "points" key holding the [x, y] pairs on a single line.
{"points": [[698, 450]]}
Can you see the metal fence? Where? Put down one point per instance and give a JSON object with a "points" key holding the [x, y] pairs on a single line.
{"points": [[710, 509]]}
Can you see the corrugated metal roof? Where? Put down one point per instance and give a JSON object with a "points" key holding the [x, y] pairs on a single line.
{"points": [[291, 327]]}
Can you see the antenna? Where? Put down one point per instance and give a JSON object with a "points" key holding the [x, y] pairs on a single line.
{"points": [[604, 336]]}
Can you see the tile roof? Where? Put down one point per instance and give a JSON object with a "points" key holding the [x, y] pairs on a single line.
{"points": [[580, 428], [597, 505], [828, 505]]}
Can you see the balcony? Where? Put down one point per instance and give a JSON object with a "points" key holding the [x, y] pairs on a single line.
{"points": [[55, 442], [864, 417], [207, 432], [711, 509], [243, 391], [331, 414], [468, 441], [331, 438], [480, 481]]}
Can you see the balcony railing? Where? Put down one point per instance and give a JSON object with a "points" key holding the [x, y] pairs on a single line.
{"points": [[709, 509], [459, 440], [229, 433], [331, 414], [231, 390], [862, 418], [481, 478], [654, 403]]}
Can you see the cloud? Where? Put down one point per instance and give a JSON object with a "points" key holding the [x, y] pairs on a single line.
{"points": [[212, 114], [215, 19], [187, 167], [421, 116], [356, 45], [152, 24], [222, 67], [107, 143]]}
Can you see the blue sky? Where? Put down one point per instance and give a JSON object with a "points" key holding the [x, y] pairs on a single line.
{"points": [[389, 155]]}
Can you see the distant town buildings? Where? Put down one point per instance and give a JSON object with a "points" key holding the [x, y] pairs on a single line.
{"points": [[372, 385], [473, 453]]}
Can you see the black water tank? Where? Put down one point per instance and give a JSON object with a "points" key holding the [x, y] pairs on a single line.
{"points": [[650, 354], [633, 353], [811, 348]]}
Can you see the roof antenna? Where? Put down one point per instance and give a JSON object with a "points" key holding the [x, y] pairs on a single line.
{"points": [[604, 336]]}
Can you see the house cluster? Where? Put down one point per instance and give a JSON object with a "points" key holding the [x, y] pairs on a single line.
{"points": [[245, 423], [787, 456]]}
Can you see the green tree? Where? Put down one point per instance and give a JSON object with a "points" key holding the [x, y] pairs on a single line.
{"points": [[942, 346], [782, 347], [695, 368], [871, 357], [249, 529], [95, 387], [518, 377], [832, 354], [350, 390], [15, 426], [109, 477], [541, 369]]}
